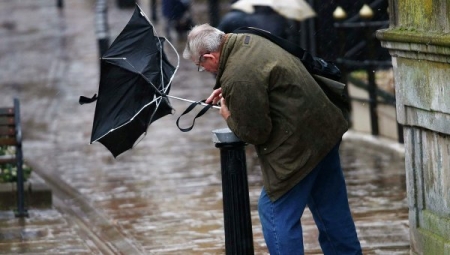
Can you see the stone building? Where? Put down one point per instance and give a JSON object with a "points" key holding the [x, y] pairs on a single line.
{"points": [[418, 40]]}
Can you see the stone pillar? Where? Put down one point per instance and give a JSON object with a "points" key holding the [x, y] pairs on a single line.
{"points": [[419, 42]]}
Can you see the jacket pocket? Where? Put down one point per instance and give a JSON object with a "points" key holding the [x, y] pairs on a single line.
{"points": [[281, 131], [283, 155]]}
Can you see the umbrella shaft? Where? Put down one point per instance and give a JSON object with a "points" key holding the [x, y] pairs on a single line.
{"points": [[191, 101]]}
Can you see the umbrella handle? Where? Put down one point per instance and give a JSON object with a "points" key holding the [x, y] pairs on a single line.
{"points": [[200, 113]]}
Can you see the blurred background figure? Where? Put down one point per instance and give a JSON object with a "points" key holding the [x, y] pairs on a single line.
{"points": [[275, 16], [177, 16], [263, 17]]}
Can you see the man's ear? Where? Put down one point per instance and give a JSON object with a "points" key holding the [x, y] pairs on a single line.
{"points": [[214, 56], [208, 55]]}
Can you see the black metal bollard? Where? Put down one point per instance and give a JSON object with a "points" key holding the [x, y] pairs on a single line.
{"points": [[60, 4], [153, 11], [214, 12], [236, 201], [101, 26]]}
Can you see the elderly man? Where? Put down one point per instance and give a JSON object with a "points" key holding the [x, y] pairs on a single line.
{"points": [[270, 100]]}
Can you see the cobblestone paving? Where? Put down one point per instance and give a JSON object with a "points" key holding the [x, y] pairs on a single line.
{"points": [[164, 196]]}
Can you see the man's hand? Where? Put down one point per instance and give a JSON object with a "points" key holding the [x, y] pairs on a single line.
{"points": [[215, 97], [224, 109]]}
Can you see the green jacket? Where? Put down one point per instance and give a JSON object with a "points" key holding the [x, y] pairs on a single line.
{"points": [[276, 105]]}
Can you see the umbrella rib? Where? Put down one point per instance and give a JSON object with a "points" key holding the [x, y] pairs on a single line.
{"points": [[131, 119], [191, 101], [176, 68], [128, 62], [145, 15], [137, 72], [161, 50]]}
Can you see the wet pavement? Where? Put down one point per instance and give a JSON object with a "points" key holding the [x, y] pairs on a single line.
{"points": [[164, 196]]}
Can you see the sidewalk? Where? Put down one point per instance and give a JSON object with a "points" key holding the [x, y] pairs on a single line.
{"points": [[164, 196]]}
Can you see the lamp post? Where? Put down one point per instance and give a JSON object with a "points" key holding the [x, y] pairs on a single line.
{"points": [[339, 16], [366, 13]]}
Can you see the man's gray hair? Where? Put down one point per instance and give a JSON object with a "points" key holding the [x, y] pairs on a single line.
{"points": [[202, 39]]}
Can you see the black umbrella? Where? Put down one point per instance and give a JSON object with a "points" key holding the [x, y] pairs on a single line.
{"points": [[134, 82]]}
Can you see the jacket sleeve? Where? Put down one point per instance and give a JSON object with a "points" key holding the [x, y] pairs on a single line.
{"points": [[249, 107]]}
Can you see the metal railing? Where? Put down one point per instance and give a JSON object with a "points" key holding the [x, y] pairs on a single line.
{"points": [[362, 55]]}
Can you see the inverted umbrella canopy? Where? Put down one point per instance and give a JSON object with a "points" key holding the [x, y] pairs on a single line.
{"points": [[135, 78], [291, 9]]}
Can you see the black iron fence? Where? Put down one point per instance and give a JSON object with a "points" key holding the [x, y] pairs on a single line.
{"points": [[364, 54]]}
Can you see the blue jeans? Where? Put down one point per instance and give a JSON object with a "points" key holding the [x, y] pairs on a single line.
{"points": [[324, 191]]}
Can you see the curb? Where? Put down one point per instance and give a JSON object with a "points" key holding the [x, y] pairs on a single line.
{"points": [[375, 141]]}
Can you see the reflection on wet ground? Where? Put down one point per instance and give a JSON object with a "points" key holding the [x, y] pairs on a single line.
{"points": [[164, 196]]}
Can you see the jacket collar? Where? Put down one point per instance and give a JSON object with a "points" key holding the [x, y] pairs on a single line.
{"points": [[225, 48]]}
